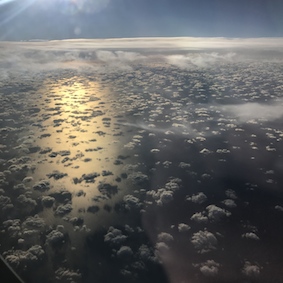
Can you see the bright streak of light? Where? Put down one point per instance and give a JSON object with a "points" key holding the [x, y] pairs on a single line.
{"points": [[3, 2], [16, 10]]}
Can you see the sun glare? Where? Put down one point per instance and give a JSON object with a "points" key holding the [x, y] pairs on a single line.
{"points": [[76, 6]]}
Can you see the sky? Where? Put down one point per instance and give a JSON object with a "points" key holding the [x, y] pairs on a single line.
{"points": [[62, 19]]}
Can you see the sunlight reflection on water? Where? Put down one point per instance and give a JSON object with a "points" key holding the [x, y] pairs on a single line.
{"points": [[77, 136]]}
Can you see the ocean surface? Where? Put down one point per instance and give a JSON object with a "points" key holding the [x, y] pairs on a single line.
{"points": [[141, 164]]}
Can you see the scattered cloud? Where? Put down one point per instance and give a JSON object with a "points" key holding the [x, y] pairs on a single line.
{"points": [[209, 268], [216, 213], [198, 198], [204, 241], [251, 270]]}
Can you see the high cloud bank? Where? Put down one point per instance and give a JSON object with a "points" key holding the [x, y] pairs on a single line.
{"points": [[109, 55], [152, 42]]}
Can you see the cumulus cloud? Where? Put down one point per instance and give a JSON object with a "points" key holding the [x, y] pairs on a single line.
{"points": [[124, 252], [55, 238], [63, 209], [201, 60], [204, 241], [131, 201], [182, 227], [249, 111], [47, 201], [5, 203], [198, 198], [199, 217], [278, 208], [165, 195], [87, 54], [216, 213], [146, 253], [164, 237], [68, 275], [114, 236], [13, 226], [42, 186], [251, 270], [22, 259], [34, 222], [251, 236], [229, 203], [28, 203], [209, 268], [161, 250], [231, 194]]}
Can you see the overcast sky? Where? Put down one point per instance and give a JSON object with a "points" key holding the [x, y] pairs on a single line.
{"points": [[58, 19]]}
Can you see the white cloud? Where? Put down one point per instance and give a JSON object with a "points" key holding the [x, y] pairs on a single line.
{"points": [[231, 194], [21, 259], [251, 236], [208, 268], [249, 111], [55, 237], [34, 222], [229, 203], [124, 252], [278, 208], [146, 253], [199, 60], [215, 213], [161, 250], [199, 217], [131, 201], [251, 270], [204, 241], [63, 209], [114, 236], [165, 237], [198, 198], [182, 227], [68, 275], [24, 58]]}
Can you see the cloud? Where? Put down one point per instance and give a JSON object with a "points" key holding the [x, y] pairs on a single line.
{"points": [[161, 250], [26, 58], [6, 203], [208, 268], [68, 275], [145, 253], [249, 111], [21, 259], [251, 236], [204, 241], [42, 186], [63, 209], [55, 237], [34, 222], [231, 194], [125, 252], [199, 217], [216, 213], [47, 201], [131, 201], [165, 195], [229, 203], [182, 227], [198, 198], [201, 60], [165, 237], [114, 236], [28, 204], [251, 270]]}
